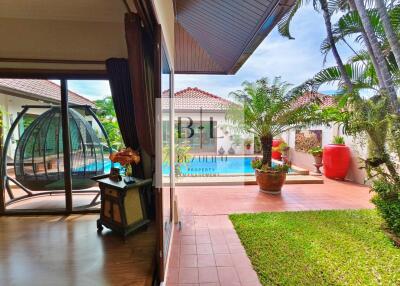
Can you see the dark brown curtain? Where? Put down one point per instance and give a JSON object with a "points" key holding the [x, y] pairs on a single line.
{"points": [[143, 66], [120, 84], [143, 39]]}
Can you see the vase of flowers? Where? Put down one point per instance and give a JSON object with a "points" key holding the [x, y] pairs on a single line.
{"points": [[126, 157]]}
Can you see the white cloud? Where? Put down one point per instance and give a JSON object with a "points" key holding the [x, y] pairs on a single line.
{"points": [[91, 89]]}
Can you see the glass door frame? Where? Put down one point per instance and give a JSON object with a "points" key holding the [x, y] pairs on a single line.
{"points": [[69, 209]]}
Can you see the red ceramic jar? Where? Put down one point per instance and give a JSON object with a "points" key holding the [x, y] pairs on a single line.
{"points": [[276, 154], [336, 160]]}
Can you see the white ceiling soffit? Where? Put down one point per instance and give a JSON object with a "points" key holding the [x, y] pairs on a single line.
{"points": [[60, 34], [227, 30], [62, 10]]}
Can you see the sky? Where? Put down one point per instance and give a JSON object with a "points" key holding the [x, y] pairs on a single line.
{"points": [[294, 60]]}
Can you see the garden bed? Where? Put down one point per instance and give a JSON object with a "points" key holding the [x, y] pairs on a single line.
{"points": [[319, 248]]}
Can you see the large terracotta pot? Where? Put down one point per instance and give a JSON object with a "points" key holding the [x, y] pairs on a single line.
{"points": [[276, 154], [270, 183], [336, 158]]}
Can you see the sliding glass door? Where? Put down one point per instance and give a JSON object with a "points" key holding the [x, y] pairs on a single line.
{"points": [[56, 137]]}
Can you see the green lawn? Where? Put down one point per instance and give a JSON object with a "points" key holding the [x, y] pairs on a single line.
{"points": [[319, 248]]}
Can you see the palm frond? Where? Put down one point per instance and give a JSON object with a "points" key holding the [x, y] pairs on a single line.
{"points": [[284, 23]]}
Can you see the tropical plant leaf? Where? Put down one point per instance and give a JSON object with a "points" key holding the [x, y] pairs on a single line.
{"points": [[284, 23]]}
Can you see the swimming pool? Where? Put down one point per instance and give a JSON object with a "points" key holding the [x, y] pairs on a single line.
{"points": [[207, 166], [216, 166]]}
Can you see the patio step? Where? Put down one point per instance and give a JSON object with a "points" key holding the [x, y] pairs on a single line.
{"points": [[243, 180]]}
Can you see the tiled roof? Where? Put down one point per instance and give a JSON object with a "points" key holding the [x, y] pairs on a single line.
{"points": [[323, 99], [193, 98], [40, 89]]}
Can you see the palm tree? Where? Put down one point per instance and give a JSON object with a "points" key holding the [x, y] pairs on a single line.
{"points": [[267, 110], [348, 21], [390, 33], [339, 62], [284, 24], [389, 85]]}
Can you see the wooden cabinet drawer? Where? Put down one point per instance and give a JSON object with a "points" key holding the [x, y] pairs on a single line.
{"points": [[112, 211], [111, 192]]}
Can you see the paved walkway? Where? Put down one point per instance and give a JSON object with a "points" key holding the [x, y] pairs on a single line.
{"points": [[207, 251]]}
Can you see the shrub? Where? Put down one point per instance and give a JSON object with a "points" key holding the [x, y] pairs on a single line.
{"points": [[316, 151], [338, 140], [256, 163], [387, 202]]}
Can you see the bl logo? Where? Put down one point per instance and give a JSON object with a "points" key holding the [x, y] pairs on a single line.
{"points": [[196, 129]]}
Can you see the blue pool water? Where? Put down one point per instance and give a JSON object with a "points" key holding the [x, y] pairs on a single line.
{"points": [[201, 166], [215, 166]]}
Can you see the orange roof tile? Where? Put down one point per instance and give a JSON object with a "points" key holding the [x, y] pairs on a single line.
{"points": [[40, 89]]}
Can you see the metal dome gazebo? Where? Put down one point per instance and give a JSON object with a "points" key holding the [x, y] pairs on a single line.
{"points": [[39, 155]]}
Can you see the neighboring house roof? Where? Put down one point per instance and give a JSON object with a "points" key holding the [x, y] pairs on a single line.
{"points": [[39, 89], [323, 99], [193, 98]]}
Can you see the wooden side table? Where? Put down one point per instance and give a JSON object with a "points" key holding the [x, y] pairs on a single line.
{"points": [[122, 206]]}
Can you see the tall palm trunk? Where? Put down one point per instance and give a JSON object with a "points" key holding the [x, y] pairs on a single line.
{"points": [[378, 54], [266, 144], [377, 69], [339, 62], [387, 26]]}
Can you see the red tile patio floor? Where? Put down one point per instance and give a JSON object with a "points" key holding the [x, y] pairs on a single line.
{"points": [[207, 251]]}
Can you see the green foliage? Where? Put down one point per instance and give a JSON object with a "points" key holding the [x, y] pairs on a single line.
{"points": [[375, 119], [282, 147], [372, 119], [257, 163], [316, 151], [319, 248], [247, 141], [387, 202], [338, 140], [107, 117], [182, 154]]}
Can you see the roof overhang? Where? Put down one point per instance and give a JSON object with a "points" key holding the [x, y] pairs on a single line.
{"points": [[217, 37]]}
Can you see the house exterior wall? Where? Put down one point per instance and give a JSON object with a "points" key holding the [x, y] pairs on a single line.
{"points": [[11, 106], [305, 160], [224, 135]]}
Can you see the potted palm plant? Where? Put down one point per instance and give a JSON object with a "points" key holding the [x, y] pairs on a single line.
{"points": [[266, 109]]}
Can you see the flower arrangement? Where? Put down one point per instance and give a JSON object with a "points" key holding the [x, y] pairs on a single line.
{"points": [[126, 157]]}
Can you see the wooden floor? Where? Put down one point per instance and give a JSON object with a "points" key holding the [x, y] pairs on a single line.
{"points": [[58, 251]]}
